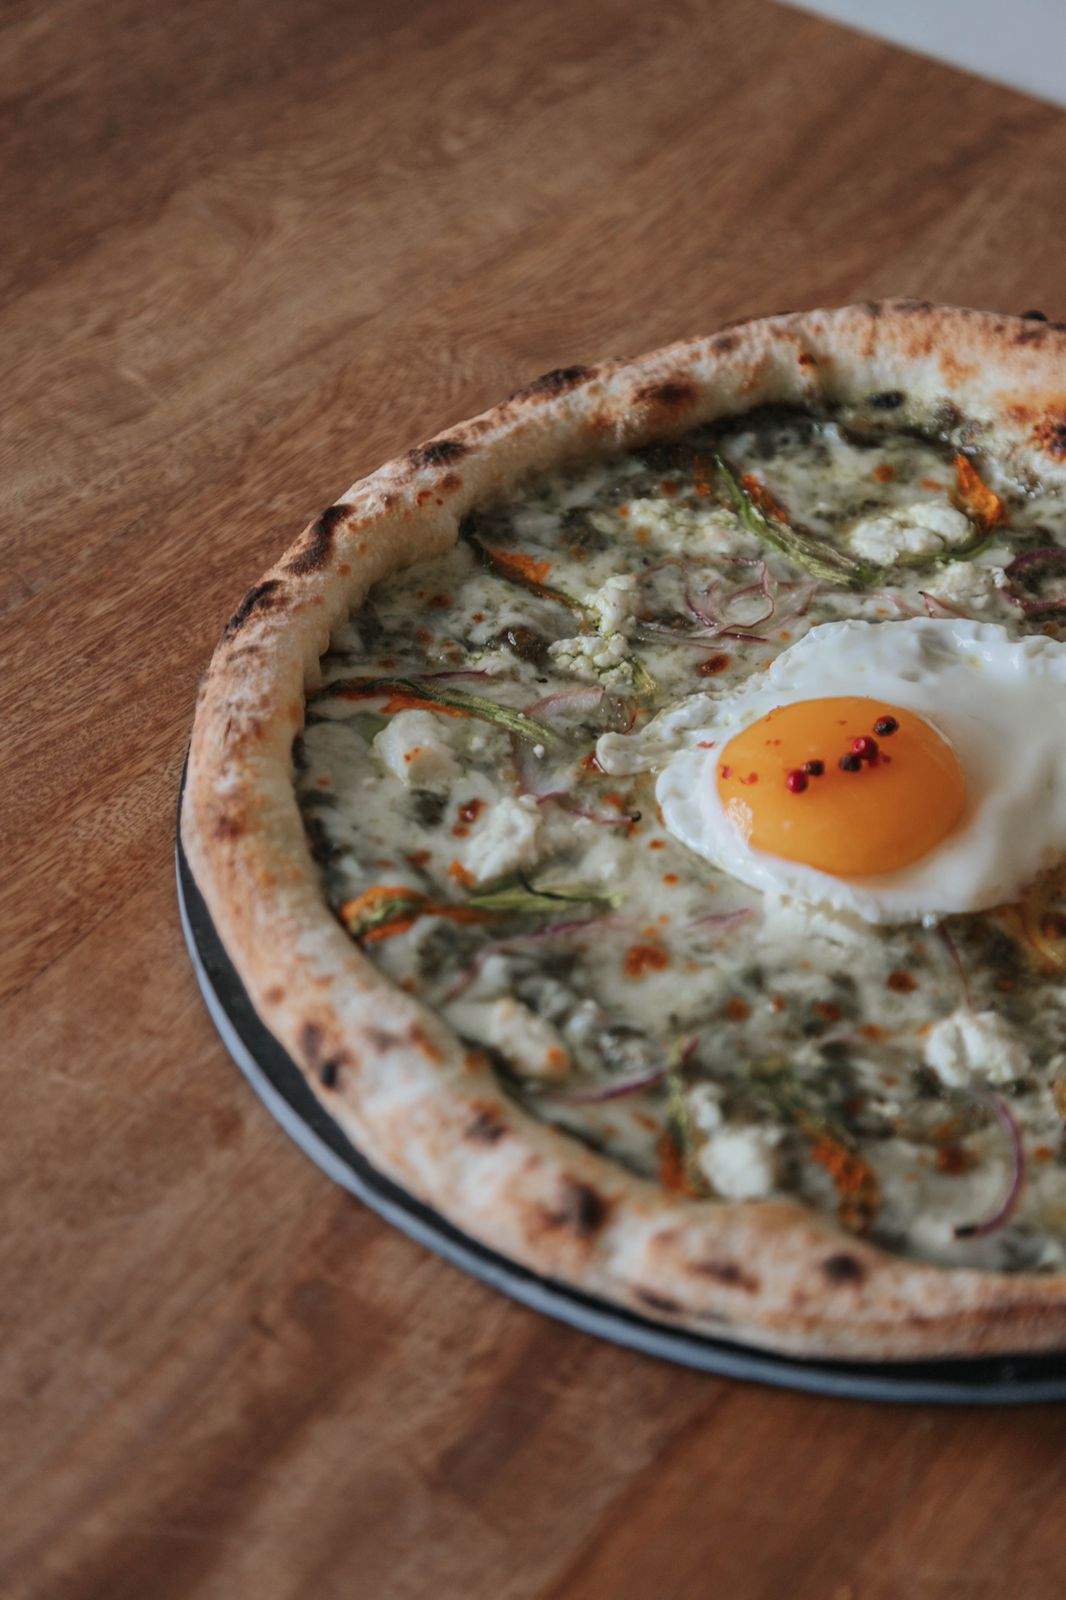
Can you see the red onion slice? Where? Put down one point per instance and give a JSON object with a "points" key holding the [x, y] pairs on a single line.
{"points": [[709, 638], [702, 607], [1051, 558], [603, 817], [746, 561], [956, 960], [720, 919], [586, 697], [1005, 1210], [601, 1093], [539, 776], [802, 603], [660, 633], [1048, 555], [936, 607], [903, 607]]}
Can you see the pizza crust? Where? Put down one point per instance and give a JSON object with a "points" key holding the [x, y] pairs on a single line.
{"points": [[421, 1108]]}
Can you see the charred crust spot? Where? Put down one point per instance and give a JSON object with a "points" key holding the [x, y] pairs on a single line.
{"points": [[558, 381], [451, 480], [729, 1273], [312, 1048], [873, 308], [843, 1268], [437, 453], [1034, 316], [588, 1208], [1051, 435], [805, 359], [657, 1302], [319, 547], [911, 307], [227, 826], [274, 995], [581, 1209], [1035, 335], [330, 1071], [381, 1039], [261, 597], [886, 399], [486, 1126], [723, 343], [312, 1040], [672, 392]]}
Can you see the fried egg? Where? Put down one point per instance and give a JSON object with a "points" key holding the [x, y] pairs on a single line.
{"points": [[896, 770]]}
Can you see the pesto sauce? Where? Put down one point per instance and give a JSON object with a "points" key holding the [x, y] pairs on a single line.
{"points": [[788, 1020]]}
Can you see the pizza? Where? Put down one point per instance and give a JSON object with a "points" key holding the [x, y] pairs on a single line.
{"points": [[640, 812]]}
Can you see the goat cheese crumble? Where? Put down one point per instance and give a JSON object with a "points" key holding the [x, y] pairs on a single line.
{"points": [[685, 528], [923, 529], [412, 749], [507, 839], [595, 657], [969, 585], [614, 603], [740, 1163], [530, 1043], [967, 1048]]}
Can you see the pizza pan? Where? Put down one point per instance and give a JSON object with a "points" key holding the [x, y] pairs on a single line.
{"points": [[280, 1085]]}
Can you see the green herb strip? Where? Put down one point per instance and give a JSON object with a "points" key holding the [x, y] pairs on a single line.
{"points": [[521, 898], [816, 557], [470, 705], [511, 573], [821, 559]]}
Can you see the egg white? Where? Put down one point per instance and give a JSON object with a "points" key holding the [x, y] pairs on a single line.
{"points": [[1001, 705]]}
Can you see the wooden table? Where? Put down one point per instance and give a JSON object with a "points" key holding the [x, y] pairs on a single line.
{"points": [[250, 251]]}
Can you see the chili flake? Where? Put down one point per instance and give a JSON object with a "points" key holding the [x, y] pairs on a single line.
{"points": [[640, 959]]}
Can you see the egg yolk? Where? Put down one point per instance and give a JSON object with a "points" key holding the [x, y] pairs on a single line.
{"points": [[875, 814]]}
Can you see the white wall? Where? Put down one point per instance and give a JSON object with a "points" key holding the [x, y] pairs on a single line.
{"points": [[1019, 42]]}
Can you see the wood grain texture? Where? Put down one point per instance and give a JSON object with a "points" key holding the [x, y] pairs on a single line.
{"points": [[249, 252]]}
